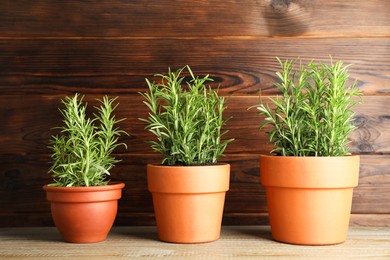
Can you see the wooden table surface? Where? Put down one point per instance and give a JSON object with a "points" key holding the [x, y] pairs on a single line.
{"points": [[236, 242]]}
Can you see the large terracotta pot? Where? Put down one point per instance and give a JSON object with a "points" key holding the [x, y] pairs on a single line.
{"points": [[309, 198], [188, 201], [84, 214]]}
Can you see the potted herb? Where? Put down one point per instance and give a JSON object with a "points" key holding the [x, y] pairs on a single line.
{"points": [[189, 186], [83, 202], [309, 180]]}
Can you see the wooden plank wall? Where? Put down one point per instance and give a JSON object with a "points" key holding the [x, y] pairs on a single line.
{"points": [[53, 48]]}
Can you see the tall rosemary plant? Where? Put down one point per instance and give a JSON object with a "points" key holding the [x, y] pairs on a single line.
{"points": [[186, 119], [82, 152], [313, 115]]}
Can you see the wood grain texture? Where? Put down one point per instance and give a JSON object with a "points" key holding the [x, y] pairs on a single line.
{"points": [[28, 122], [239, 242], [164, 18], [49, 49], [119, 66], [23, 199]]}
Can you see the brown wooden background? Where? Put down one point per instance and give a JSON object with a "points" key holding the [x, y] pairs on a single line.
{"points": [[49, 49]]}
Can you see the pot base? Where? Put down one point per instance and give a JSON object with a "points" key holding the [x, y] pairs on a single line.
{"points": [[189, 219]]}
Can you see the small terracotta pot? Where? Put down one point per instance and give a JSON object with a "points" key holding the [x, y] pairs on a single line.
{"points": [[84, 214], [309, 198], [188, 201]]}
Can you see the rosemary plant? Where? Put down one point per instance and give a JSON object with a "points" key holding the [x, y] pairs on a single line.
{"points": [[82, 153], [313, 117], [187, 121]]}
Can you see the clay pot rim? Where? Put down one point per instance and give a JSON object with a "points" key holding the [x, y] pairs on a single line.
{"points": [[110, 186], [308, 157], [188, 179], [310, 172], [186, 166]]}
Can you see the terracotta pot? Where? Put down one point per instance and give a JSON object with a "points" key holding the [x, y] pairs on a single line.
{"points": [[188, 201], [309, 198], [84, 214]]}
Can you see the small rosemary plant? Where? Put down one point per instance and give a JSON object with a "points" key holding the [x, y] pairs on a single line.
{"points": [[313, 116], [82, 153], [187, 121]]}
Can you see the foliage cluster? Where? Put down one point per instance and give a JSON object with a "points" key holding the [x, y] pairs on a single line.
{"points": [[186, 119], [82, 152], [313, 116]]}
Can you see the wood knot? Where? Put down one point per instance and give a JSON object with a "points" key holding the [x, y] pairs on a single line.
{"points": [[360, 121], [384, 118], [280, 5], [365, 147], [286, 17]]}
